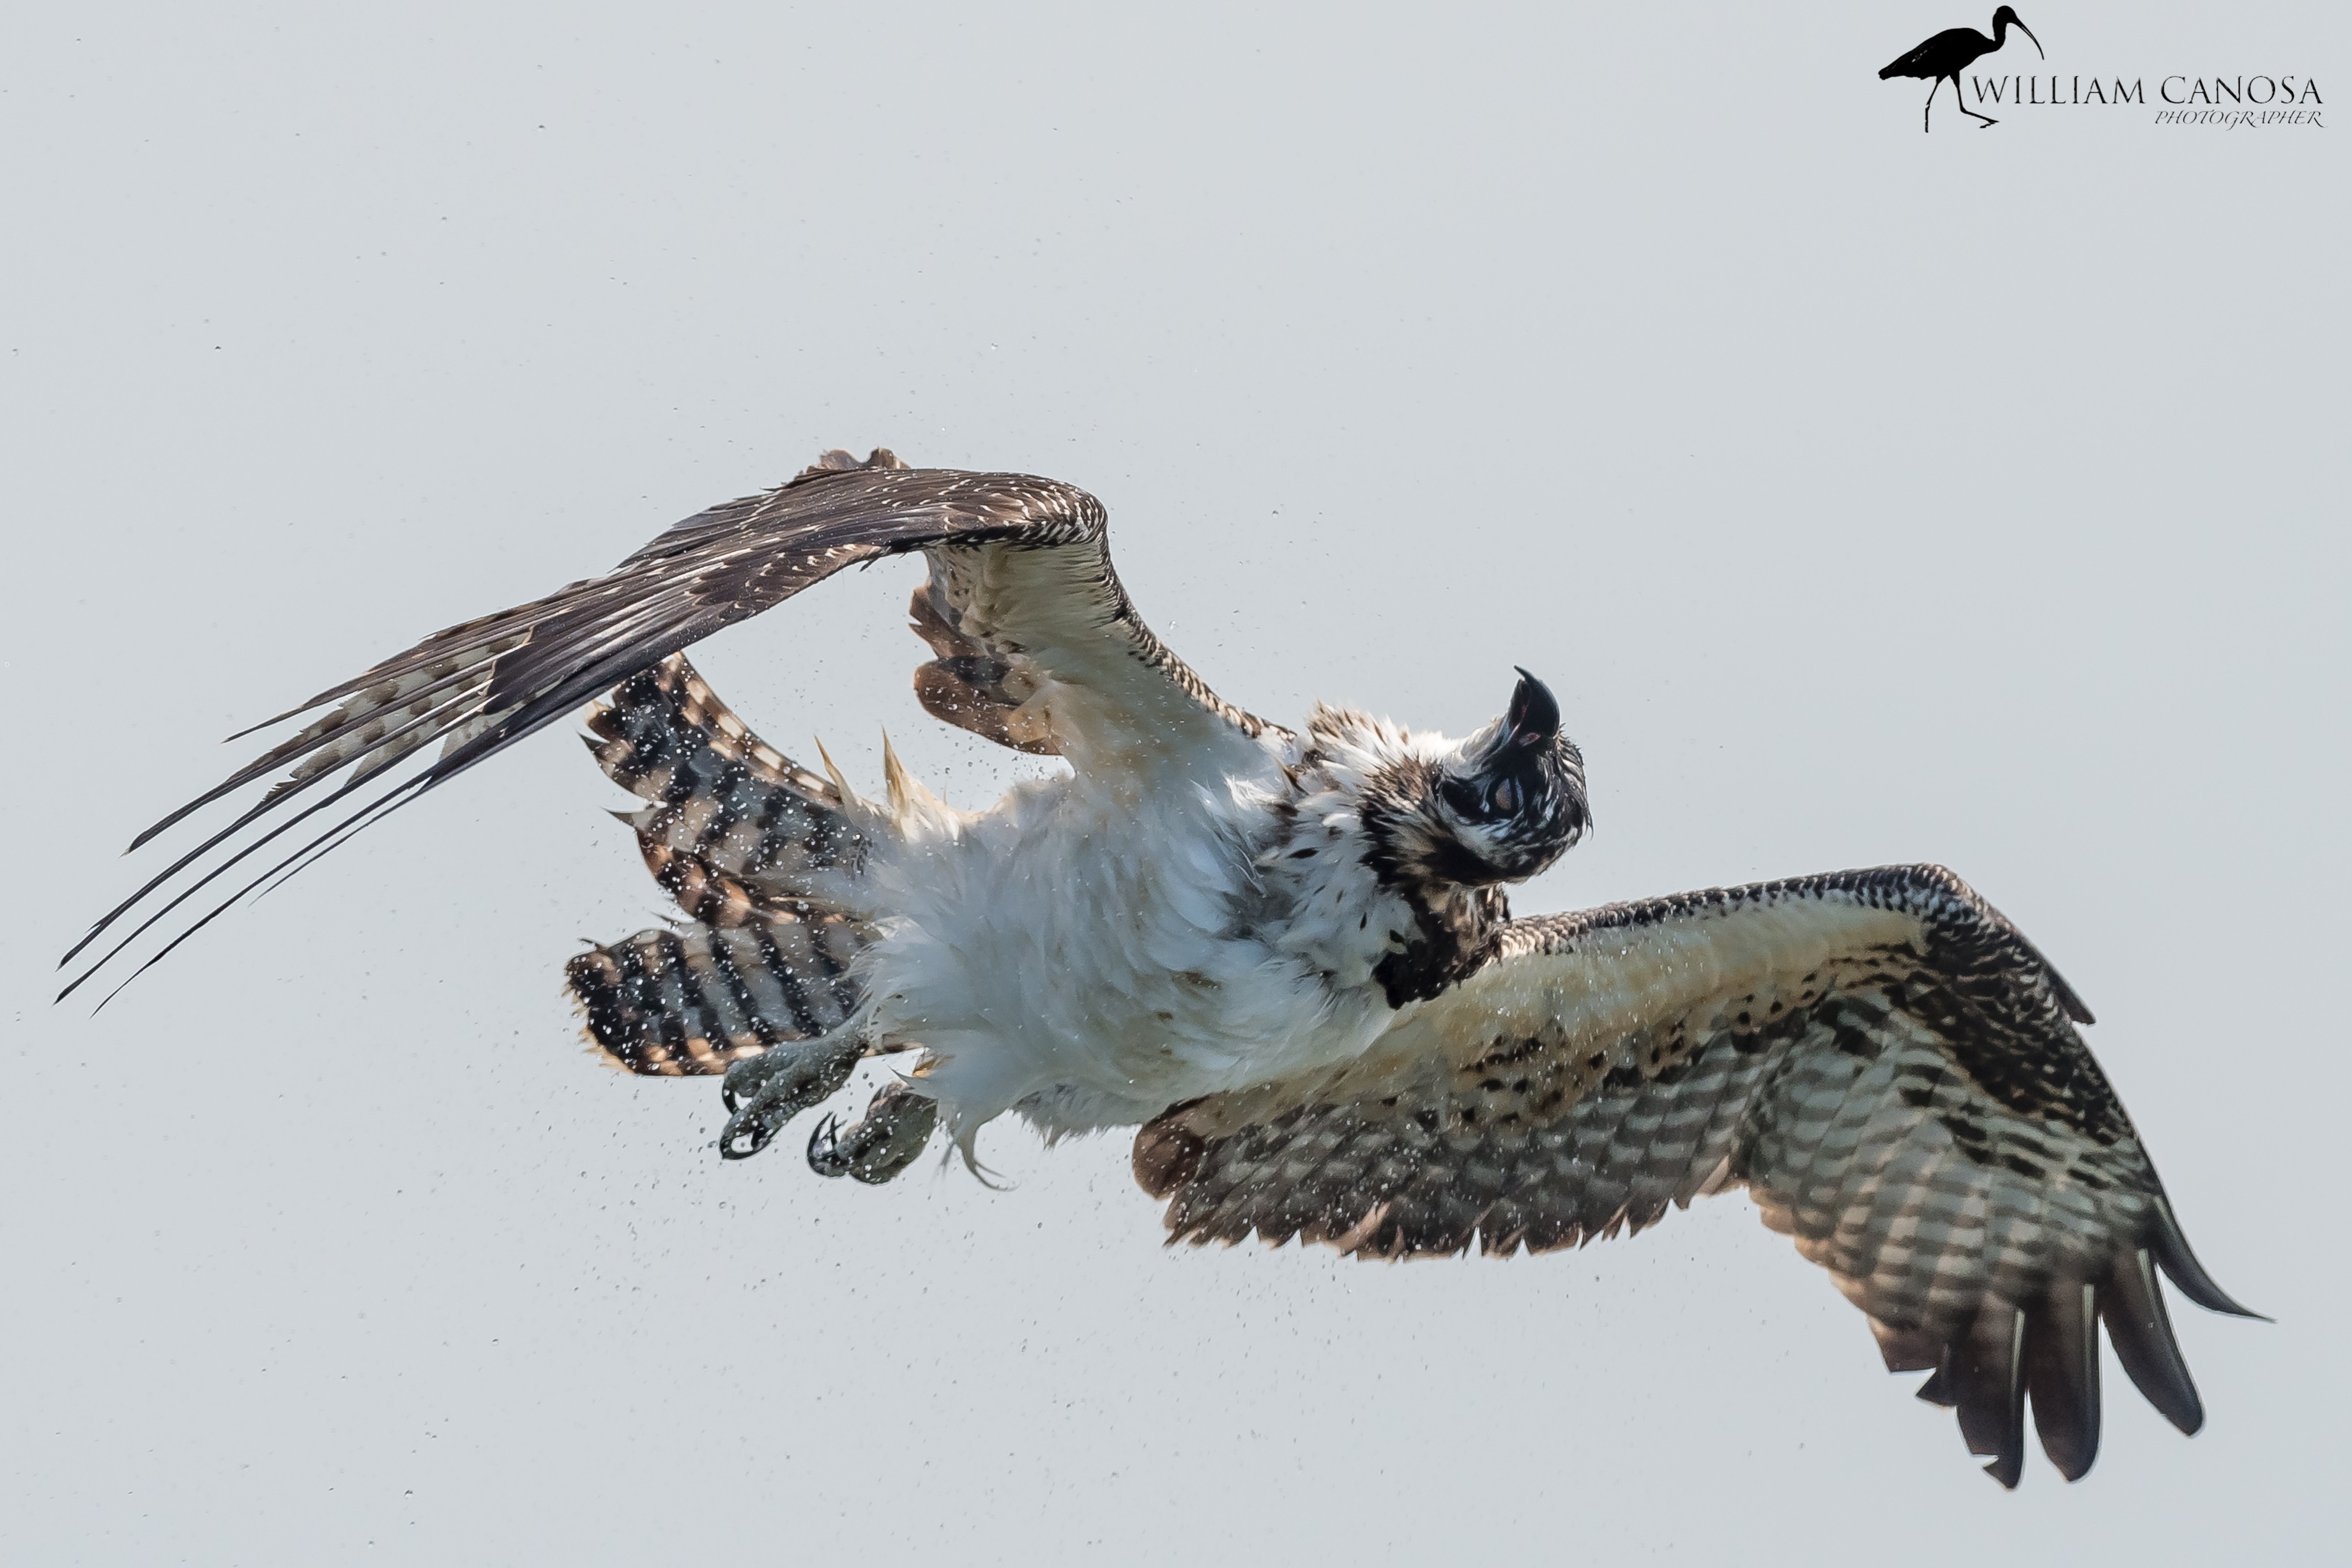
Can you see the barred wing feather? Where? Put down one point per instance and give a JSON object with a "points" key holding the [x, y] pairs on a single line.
{"points": [[1023, 594], [1883, 1061]]}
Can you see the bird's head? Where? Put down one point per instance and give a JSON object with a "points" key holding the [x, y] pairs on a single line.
{"points": [[2007, 17], [1513, 794], [1498, 807]]}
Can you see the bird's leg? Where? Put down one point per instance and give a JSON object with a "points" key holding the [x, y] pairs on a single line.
{"points": [[772, 1088], [1927, 109], [879, 1144], [1989, 120]]}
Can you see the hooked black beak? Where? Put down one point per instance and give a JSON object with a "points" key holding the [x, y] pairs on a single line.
{"points": [[2029, 32], [1534, 717]]}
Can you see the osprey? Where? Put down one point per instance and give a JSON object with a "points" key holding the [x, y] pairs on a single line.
{"points": [[1284, 955]]}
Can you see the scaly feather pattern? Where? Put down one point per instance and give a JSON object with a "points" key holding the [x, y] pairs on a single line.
{"points": [[1879, 1057]]}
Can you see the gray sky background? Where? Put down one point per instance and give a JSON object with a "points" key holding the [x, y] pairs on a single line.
{"points": [[1866, 497]]}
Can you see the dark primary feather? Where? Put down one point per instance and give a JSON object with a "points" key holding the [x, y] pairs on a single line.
{"points": [[479, 686], [1878, 1057]]}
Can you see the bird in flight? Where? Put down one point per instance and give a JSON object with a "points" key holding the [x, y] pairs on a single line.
{"points": [[1286, 956]]}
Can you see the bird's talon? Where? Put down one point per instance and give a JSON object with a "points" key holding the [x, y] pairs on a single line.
{"points": [[758, 1136], [769, 1090], [823, 1142], [878, 1144]]}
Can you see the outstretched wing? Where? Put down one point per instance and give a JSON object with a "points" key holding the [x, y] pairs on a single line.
{"points": [[1880, 1058], [1021, 577]]}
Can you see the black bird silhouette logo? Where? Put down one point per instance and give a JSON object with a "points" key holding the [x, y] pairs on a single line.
{"points": [[1943, 58]]}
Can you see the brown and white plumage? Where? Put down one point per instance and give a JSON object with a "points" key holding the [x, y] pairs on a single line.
{"points": [[1878, 1057], [1286, 956], [736, 833], [1027, 593]]}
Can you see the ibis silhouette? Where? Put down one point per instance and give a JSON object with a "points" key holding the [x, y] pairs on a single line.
{"points": [[1943, 58]]}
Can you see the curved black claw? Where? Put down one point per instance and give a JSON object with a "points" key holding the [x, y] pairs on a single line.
{"points": [[741, 1143], [823, 1144], [770, 1089], [878, 1144], [745, 1077]]}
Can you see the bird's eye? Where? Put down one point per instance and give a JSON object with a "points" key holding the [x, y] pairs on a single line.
{"points": [[1504, 799]]}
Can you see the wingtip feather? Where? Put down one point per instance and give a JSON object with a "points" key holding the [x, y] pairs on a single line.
{"points": [[2180, 1266], [2062, 1375], [2132, 1306]]}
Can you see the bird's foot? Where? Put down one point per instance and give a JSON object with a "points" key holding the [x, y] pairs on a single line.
{"points": [[879, 1144], [772, 1088]]}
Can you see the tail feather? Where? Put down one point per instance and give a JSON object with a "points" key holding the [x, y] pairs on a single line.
{"points": [[679, 1003], [747, 842], [719, 793], [712, 898]]}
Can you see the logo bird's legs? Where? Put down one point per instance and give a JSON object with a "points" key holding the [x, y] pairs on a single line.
{"points": [[1962, 98]]}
